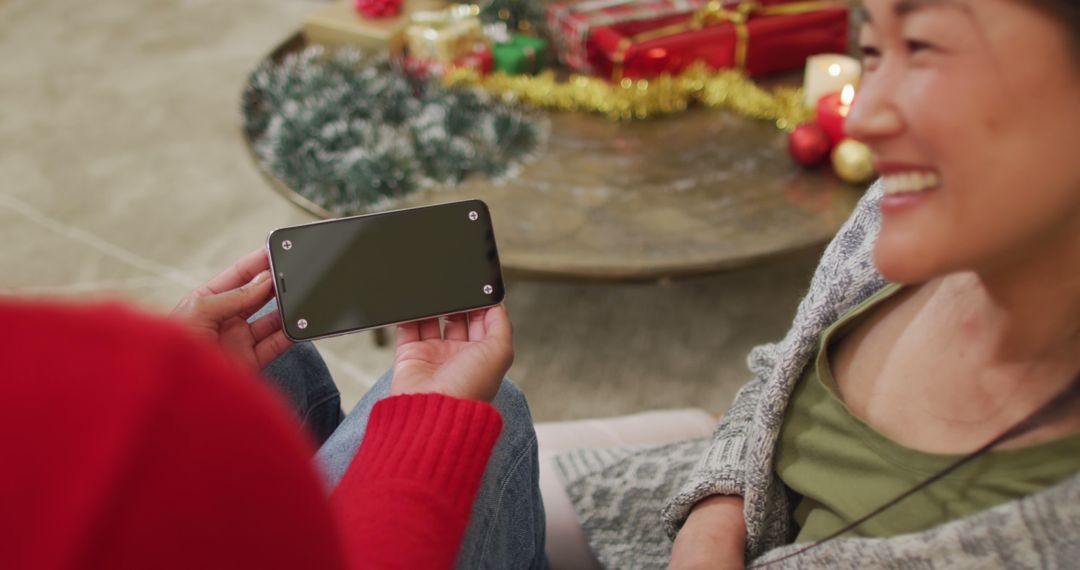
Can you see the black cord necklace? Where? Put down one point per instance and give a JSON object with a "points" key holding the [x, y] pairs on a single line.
{"points": [[1053, 409]]}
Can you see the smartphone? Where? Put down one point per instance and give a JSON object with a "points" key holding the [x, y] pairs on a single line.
{"points": [[352, 274]]}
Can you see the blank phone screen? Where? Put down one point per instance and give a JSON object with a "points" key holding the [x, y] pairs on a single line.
{"points": [[356, 273]]}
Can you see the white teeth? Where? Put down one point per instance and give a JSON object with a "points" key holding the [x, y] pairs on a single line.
{"points": [[910, 182]]}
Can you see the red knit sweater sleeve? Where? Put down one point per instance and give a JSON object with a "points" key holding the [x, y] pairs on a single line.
{"points": [[405, 500]]}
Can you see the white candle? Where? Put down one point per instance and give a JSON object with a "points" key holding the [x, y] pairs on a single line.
{"points": [[829, 73]]}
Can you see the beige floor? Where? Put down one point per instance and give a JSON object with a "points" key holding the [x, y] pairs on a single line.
{"points": [[123, 174]]}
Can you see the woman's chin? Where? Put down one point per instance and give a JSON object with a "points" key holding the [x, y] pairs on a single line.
{"points": [[903, 264]]}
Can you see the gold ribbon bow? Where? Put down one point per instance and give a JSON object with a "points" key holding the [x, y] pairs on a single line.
{"points": [[445, 16], [717, 13]]}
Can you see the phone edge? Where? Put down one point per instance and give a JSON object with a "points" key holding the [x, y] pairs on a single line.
{"points": [[387, 325]]}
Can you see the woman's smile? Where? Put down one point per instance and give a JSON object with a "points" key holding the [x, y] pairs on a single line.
{"points": [[905, 185]]}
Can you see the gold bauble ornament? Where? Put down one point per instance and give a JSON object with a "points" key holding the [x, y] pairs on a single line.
{"points": [[853, 161]]}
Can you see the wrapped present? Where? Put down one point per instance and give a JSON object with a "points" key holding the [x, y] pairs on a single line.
{"points": [[339, 24], [444, 36], [759, 38], [521, 55], [571, 22], [480, 60]]}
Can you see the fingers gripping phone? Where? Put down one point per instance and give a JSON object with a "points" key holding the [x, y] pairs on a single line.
{"points": [[352, 274]]}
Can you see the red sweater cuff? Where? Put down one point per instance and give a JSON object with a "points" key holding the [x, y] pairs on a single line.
{"points": [[439, 442]]}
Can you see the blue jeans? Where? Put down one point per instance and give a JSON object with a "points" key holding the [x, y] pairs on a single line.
{"points": [[506, 527]]}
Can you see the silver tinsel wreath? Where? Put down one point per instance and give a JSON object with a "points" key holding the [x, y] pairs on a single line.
{"points": [[351, 133]]}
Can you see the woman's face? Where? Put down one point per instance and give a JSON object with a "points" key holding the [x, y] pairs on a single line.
{"points": [[972, 110]]}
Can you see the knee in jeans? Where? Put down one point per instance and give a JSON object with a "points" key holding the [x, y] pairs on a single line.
{"points": [[511, 404]]}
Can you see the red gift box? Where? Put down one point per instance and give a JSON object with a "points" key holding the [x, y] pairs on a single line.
{"points": [[757, 37], [480, 60], [572, 21]]}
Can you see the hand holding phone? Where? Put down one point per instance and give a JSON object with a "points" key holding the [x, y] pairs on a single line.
{"points": [[218, 312], [467, 360]]}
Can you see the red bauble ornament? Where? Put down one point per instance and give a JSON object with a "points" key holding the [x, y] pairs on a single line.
{"points": [[378, 8], [831, 114], [809, 144]]}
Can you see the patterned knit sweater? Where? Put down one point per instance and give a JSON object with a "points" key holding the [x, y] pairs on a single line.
{"points": [[618, 493]]}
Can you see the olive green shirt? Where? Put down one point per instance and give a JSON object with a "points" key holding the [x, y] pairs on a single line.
{"points": [[842, 468]]}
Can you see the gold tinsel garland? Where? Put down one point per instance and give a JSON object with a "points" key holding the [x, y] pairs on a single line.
{"points": [[644, 98]]}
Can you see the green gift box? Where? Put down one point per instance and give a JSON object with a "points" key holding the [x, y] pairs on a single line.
{"points": [[523, 54]]}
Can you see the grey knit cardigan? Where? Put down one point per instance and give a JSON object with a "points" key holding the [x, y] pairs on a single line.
{"points": [[632, 501]]}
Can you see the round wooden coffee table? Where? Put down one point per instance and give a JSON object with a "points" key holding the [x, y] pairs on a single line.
{"points": [[690, 194]]}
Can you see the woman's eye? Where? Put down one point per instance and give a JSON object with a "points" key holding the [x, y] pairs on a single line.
{"points": [[916, 46], [871, 55]]}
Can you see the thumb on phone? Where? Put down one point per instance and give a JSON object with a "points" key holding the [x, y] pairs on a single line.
{"points": [[497, 325], [497, 338], [240, 302]]}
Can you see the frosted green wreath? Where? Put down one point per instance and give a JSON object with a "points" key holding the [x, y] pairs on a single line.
{"points": [[349, 133]]}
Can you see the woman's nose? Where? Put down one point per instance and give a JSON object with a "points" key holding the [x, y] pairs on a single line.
{"points": [[874, 114]]}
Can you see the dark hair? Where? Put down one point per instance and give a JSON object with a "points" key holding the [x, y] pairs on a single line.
{"points": [[1068, 11]]}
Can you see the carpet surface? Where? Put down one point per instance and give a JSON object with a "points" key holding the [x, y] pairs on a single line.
{"points": [[123, 174]]}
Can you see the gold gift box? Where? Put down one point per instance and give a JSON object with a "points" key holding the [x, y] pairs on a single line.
{"points": [[443, 36], [339, 24]]}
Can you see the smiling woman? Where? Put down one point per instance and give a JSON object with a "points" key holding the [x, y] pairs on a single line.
{"points": [[977, 102], [945, 313]]}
